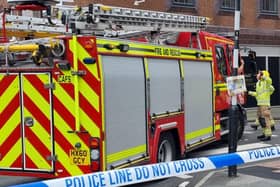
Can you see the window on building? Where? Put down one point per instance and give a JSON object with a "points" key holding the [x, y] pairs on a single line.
{"points": [[228, 4], [188, 3], [269, 6]]}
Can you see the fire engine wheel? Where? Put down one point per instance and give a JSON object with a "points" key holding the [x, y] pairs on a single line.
{"points": [[166, 148]]}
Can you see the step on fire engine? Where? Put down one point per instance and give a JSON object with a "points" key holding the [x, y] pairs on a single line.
{"points": [[77, 103]]}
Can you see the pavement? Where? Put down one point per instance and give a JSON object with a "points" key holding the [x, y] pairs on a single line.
{"points": [[262, 174]]}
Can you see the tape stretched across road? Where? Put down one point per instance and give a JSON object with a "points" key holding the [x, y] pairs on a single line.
{"points": [[151, 172]]}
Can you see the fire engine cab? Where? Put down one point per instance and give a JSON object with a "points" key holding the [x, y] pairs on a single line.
{"points": [[78, 102]]}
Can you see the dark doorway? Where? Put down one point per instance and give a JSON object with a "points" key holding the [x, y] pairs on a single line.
{"points": [[251, 101], [273, 68]]}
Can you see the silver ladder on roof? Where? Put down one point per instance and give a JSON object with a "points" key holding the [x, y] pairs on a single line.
{"points": [[96, 18]]}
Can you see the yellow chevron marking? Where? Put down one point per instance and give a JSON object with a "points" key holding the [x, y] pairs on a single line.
{"points": [[82, 53], [89, 94], [9, 126], [199, 133], [63, 128], [34, 94], [12, 155], [89, 125], [92, 68], [68, 102], [64, 97], [35, 156], [9, 93], [40, 132], [126, 153]]}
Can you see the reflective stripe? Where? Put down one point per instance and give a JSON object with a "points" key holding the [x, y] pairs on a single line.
{"points": [[182, 69], [74, 48], [146, 68], [221, 86], [126, 153], [217, 127], [198, 133], [153, 50]]}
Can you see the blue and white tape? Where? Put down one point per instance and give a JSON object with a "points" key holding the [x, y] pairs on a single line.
{"points": [[151, 172]]}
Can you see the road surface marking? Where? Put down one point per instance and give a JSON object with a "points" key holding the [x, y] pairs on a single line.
{"points": [[184, 176], [184, 184], [205, 179]]}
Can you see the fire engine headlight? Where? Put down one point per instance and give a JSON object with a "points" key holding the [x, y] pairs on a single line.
{"points": [[94, 154]]}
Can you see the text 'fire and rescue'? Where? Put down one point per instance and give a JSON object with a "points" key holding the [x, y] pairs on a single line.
{"points": [[167, 52]]}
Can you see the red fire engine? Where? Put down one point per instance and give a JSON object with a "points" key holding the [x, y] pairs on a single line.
{"points": [[79, 103]]}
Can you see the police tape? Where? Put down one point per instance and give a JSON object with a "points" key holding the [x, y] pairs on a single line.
{"points": [[145, 173]]}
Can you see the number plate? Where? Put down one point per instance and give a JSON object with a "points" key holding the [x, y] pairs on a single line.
{"points": [[79, 156]]}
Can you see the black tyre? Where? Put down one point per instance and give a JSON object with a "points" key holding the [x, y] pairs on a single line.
{"points": [[166, 148]]}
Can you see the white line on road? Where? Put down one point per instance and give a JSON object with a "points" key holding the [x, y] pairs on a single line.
{"points": [[184, 184], [184, 176], [204, 180]]}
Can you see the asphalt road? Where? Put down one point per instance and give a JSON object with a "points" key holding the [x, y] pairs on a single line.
{"points": [[249, 141]]}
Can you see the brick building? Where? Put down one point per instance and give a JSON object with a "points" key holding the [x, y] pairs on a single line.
{"points": [[260, 24]]}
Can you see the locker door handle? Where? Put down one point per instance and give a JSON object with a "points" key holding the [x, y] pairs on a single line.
{"points": [[28, 121]]}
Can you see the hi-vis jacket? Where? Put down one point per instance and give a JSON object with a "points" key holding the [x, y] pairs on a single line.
{"points": [[264, 90]]}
